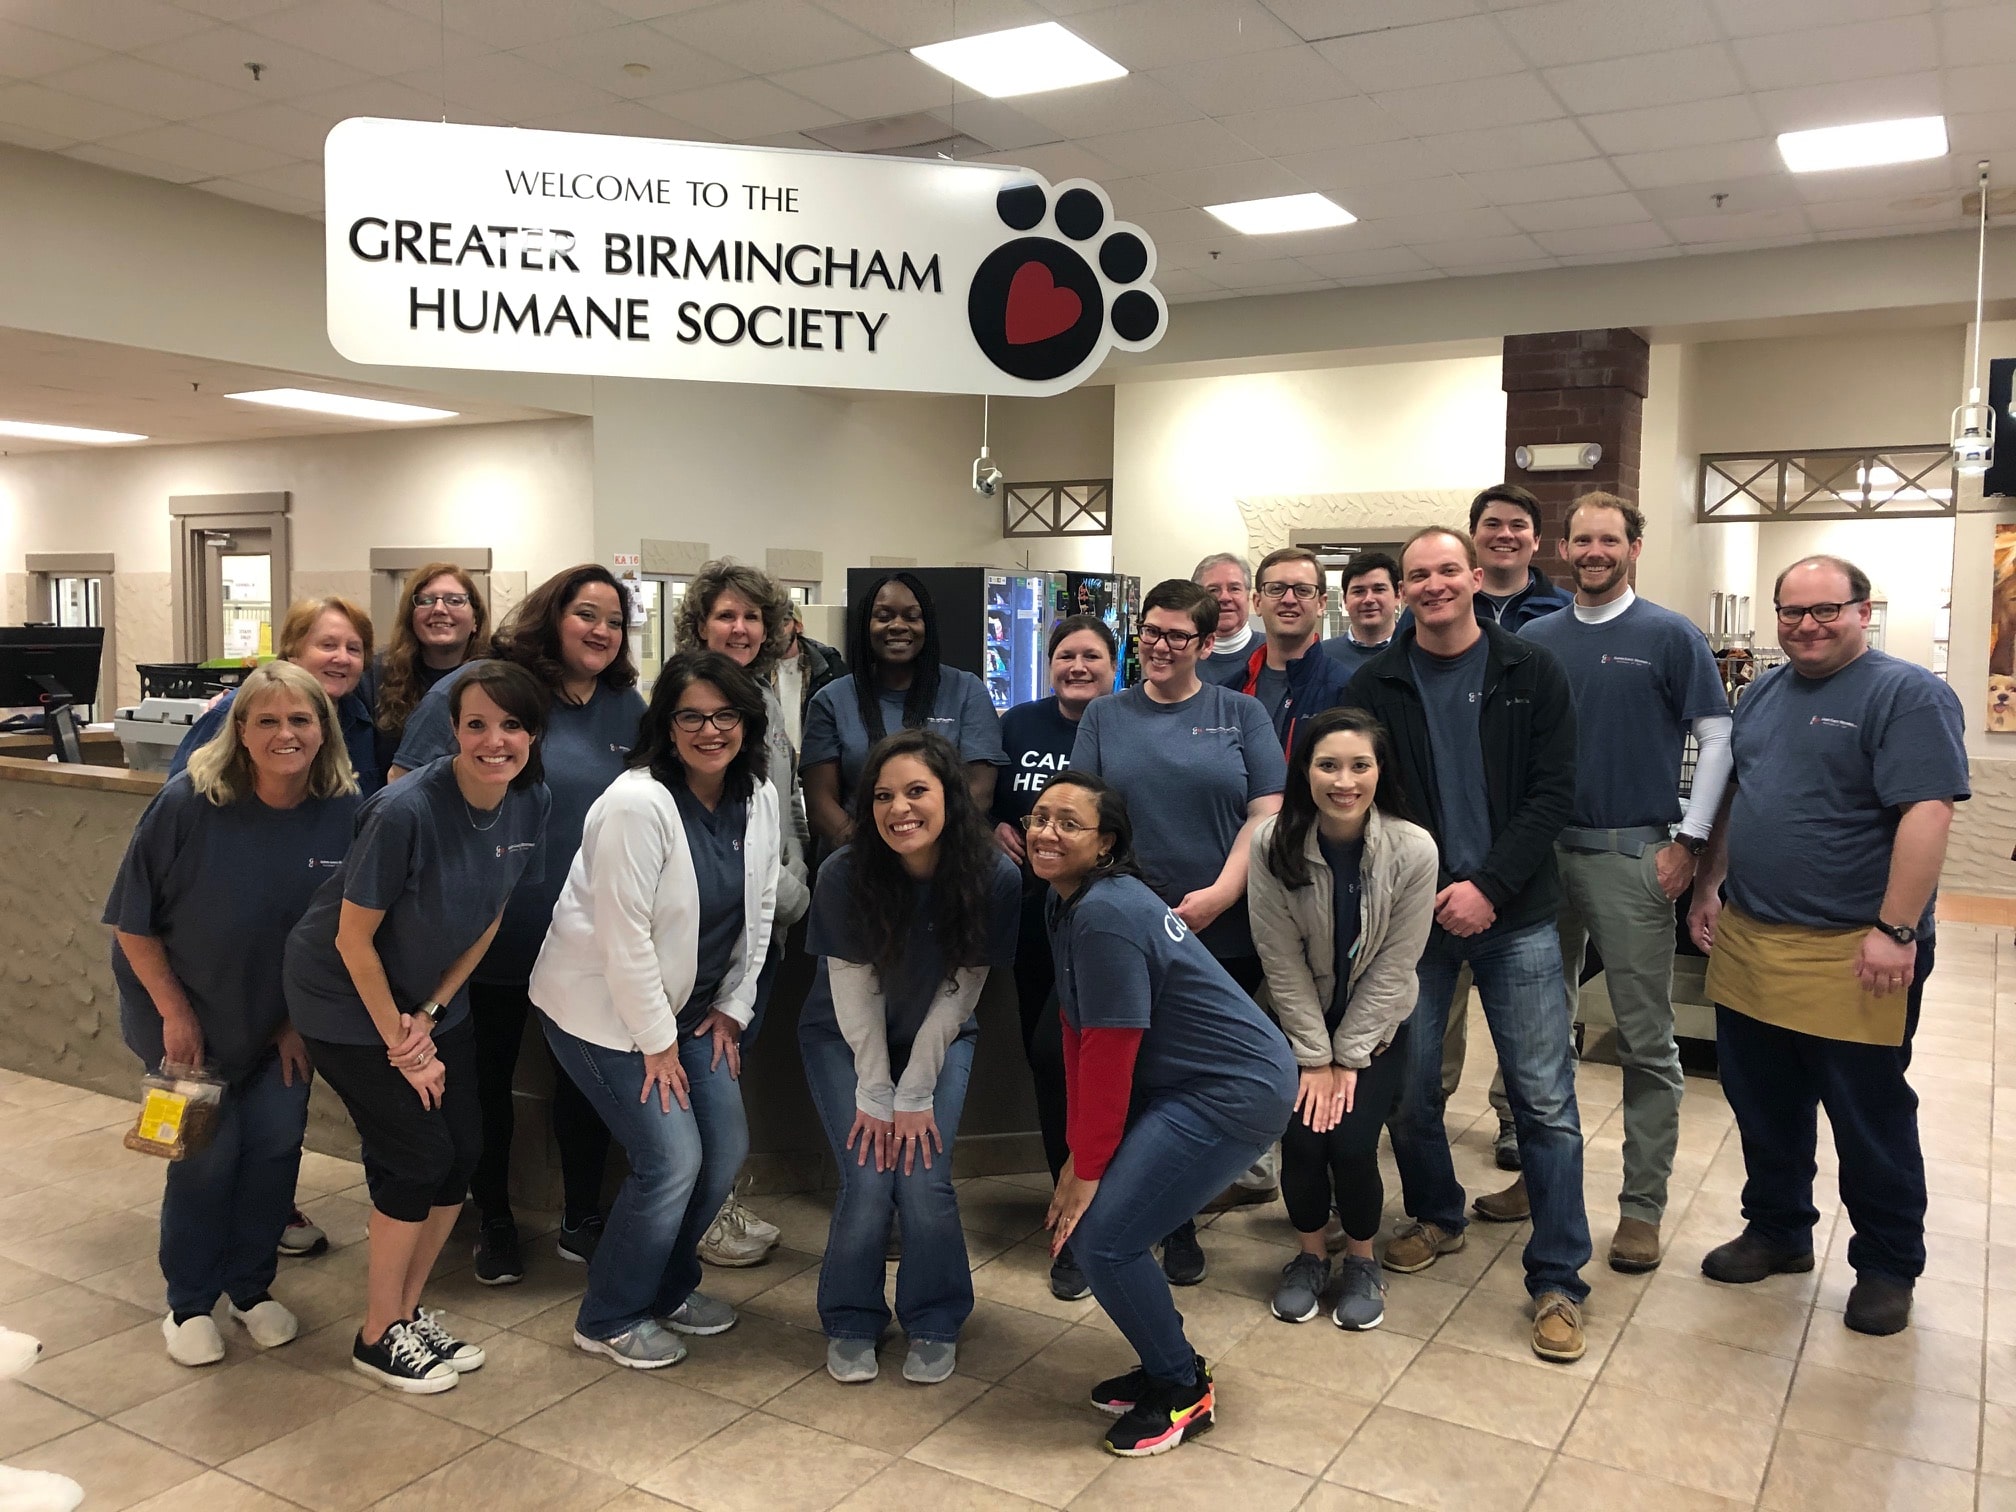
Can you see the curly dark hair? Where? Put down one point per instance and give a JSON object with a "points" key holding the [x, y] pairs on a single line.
{"points": [[881, 894], [655, 749], [1285, 846], [923, 690], [531, 636], [689, 622]]}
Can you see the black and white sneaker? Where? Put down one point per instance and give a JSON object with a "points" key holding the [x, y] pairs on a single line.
{"points": [[578, 1243], [402, 1360], [449, 1350], [499, 1262]]}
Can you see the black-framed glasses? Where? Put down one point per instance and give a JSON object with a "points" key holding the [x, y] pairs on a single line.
{"points": [[1305, 592], [1789, 615], [429, 600], [1066, 827], [1175, 640], [692, 721]]}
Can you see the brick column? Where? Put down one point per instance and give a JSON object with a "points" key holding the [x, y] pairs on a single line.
{"points": [[1574, 386]]}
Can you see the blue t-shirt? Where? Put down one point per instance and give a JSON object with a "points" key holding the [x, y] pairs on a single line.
{"points": [[962, 713], [923, 970], [220, 888], [1822, 765], [440, 871], [715, 842], [1639, 680], [1351, 653], [1271, 687], [1037, 739], [353, 716], [1125, 961], [1188, 771], [1227, 669], [388, 741], [585, 748], [1452, 693], [1347, 905]]}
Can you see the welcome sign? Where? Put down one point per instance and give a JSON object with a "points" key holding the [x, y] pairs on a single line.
{"points": [[558, 252]]}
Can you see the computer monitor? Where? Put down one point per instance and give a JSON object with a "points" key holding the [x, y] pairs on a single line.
{"points": [[54, 669]]}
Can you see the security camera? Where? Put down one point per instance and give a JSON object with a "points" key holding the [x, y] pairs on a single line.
{"points": [[986, 476]]}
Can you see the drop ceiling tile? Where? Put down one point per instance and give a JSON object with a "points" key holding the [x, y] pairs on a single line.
{"points": [[66, 115], [866, 89], [1578, 214], [26, 53], [379, 97], [120, 25], [1371, 263], [130, 162], [1662, 78], [1830, 54], [1177, 226], [1593, 258], [1549, 181], [1525, 146], [1583, 240], [1270, 273], [221, 53], [1351, 168], [744, 109], [1385, 278], [1944, 178], [1435, 52], [1757, 18], [1449, 226], [652, 10], [623, 118], [1346, 122], [1148, 34], [1583, 31], [365, 34], [1187, 144], [1888, 215], [253, 194], [186, 147], [302, 180], [766, 36], [998, 123], [1180, 283], [1251, 81], [1380, 202], [1128, 104], [1317, 19], [1896, 95], [1192, 256], [598, 58], [1978, 131], [1699, 165], [1504, 253], [1750, 226], [1977, 34], [1696, 124], [34, 140], [511, 24], [914, 23], [1058, 161], [1991, 86], [506, 87], [1770, 191], [231, 10], [1332, 241], [1472, 106], [1754, 244], [1229, 182], [285, 128], [146, 87]]}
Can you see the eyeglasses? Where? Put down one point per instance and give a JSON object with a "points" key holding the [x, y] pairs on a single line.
{"points": [[1175, 640], [1066, 828], [1304, 592], [429, 600], [1789, 615], [692, 720]]}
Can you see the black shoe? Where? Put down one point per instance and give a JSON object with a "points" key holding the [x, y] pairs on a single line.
{"points": [[1878, 1304], [1163, 1418], [1067, 1282], [578, 1243], [1119, 1394], [1747, 1258], [498, 1259], [1505, 1148], [1183, 1257], [403, 1360]]}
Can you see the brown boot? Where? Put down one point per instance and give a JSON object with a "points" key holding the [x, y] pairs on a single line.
{"points": [[1635, 1249], [1557, 1328], [1508, 1206], [1419, 1246]]}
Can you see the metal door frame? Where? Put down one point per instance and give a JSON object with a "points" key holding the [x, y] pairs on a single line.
{"points": [[192, 516]]}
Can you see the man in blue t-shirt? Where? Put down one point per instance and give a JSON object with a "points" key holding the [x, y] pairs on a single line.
{"points": [[1848, 764], [1642, 675], [1371, 593]]}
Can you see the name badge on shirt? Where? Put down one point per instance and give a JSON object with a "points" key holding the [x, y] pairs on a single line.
{"points": [[522, 845], [315, 863]]}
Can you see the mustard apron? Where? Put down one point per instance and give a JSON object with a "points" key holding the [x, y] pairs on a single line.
{"points": [[1800, 979]]}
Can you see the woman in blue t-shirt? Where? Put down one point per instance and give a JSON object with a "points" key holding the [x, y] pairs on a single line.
{"points": [[1177, 1083], [220, 867], [906, 922], [443, 622], [898, 682], [572, 634]]}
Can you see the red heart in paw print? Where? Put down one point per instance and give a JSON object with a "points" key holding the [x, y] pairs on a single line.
{"points": [[1037, 308]]}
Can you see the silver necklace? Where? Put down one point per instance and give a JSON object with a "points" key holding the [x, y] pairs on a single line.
{"points": [[481, 828]]}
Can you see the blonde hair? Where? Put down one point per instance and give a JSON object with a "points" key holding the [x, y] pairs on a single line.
{"points": [[300, 624], [399, 690], [221, 770]]}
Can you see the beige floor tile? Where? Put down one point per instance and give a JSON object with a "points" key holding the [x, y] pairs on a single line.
{"points": [[214, 1491], [1020, 1277], [228, 1411], [998, 1339], [1299, 1426], [548, 1282], [132, 1183], [86, 1248], [319, 1466], [1361, 1365], [344, 1219], [1001, 1208], [1022, 1443], [764, 1464], [115, 1468], [1216, 1321], [2001, 1328], [138, 1282], [2000, 1382], [1722, 1453], [1916, 1357], [322, 1174], [501, 1477], [28, 1418], [1825, 1475], [628, 1425], [1944, 1306], [1418, 1306], [1688, 1368], [1997, 1494], [1198, 1476], [127, 1369], [520, 1376], [66, 1317], [1243, 1265], [1486, 1323], [753, 1361], [18, 1281], [1728, 1314], [1066, 1369], [1927, 1425], [43, 1210], [1425, 1462], [1328, 1497], [888, 1413], [909, 1484], [1532, 1403], [1573, 1485], [794, 1300], [735, 1285]]}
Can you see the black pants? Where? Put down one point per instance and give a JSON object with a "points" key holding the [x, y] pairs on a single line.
{"points": [[1342, 1165], [416, 1158], [498, 1014], [1042, 1028], [1775, 1079]]}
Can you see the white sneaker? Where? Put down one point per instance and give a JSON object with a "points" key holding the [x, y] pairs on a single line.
{"points": [[269, 1323], [196, 1342], [17, 1352], [37, 1491], [737, 1237]]}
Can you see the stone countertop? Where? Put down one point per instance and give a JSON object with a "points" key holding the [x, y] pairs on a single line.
{"points": [[63, 774]]}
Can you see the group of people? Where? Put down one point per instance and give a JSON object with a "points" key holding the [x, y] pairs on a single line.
{"points": [[1240, 902]]}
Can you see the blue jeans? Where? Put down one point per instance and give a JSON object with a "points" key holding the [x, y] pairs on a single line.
{"points": [[682, 1167], [766, 983], [1518, 976], [223, 1210], [934, 1281], [1171, 1162]]}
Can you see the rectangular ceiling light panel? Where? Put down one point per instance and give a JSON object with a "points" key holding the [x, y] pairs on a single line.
{"points": [[29, 430], [1023, 60], [1869, 144], [1286, 212], [349, 406]]}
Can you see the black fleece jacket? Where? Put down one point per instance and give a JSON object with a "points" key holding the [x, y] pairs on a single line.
{"points": [[1526, 724]]}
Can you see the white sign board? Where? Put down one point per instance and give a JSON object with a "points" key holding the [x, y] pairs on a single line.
{"points": [[559, 252]]}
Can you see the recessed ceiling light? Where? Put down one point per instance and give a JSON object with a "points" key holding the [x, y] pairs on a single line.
{"points": [[347, 405], [29, 430], [1285, 212], [1866, 145], [1022, 60]]}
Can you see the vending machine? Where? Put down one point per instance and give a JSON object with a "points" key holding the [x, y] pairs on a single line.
{"points": [[992, 622], [1112, 598]]}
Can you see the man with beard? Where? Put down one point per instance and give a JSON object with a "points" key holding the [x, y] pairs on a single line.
{"points": [[1642, 675]]}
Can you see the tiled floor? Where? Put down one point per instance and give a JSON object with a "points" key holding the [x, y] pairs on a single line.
{"points": [[1692, 1396]]}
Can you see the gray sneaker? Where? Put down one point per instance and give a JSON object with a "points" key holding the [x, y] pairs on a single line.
{"points": [[929, 1361], [700, 1314], [645, 1346], [851, 1362], [1300, 1291], [1363, 1303]]}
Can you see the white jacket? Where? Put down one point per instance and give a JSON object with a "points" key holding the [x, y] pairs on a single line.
{"points": [[623, 950]]}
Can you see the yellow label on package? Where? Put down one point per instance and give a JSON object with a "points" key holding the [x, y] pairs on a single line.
{"points": [[161, 1115]]}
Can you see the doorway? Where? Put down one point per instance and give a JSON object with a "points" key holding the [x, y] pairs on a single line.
{"points": [[233, 575], [390, 566], [73, 590]]}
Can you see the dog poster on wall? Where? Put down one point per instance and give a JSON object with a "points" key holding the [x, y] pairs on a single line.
{"points": [[2002, 633]]}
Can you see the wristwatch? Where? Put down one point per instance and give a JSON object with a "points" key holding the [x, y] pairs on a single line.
{"points": [[1903, 934], [1694, 845], [431, 1011]]}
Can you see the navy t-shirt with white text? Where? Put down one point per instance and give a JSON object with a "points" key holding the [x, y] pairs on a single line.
{"points": [[1452, 693]]}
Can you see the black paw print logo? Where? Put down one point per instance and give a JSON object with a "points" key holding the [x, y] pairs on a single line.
{"points": [[1039, 307]]}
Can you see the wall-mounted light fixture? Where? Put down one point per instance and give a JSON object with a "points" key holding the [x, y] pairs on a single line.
{"points": [[1564, 456]]}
